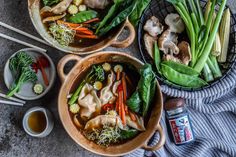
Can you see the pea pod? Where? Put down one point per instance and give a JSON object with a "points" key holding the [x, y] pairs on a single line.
{"points": [[181, 68], [157, 57], [181, 79], [83, 16]]}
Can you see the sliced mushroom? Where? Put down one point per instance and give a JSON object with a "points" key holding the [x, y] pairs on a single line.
{"points": [[45, 9], [149, 42], [97, 4], [175, 23], [153, 26], [53, 18], [168, 57], [167, 42], [61, 7], [184, 52]]}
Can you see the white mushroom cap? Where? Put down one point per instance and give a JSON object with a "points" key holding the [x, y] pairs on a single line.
{"points": [[175, 23], [168, 42], [153, 26]]}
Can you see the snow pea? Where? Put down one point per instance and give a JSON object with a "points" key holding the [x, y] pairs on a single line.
{"points": [[157, 57], [180, 78], [83, 16], [181, 68]]}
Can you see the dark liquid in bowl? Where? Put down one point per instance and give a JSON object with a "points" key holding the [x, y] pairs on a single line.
{"points": [[37, 121]]}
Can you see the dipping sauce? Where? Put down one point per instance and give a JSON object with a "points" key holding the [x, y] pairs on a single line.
{"points": [[37, 121]]}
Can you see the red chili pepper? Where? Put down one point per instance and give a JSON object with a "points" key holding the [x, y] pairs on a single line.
{"points": [[35, 67], [107, 107]]}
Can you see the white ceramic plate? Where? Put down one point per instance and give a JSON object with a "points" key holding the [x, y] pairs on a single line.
{"points": [[26, 91]]}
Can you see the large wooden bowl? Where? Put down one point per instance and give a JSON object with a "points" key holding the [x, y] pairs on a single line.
{"points": [[111, 38], [70, 82]]}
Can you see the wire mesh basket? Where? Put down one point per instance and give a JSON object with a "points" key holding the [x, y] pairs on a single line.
{"points": [[160, 9]]}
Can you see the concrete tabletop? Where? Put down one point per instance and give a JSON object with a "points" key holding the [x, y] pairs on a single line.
{"points": [[13, 140]]}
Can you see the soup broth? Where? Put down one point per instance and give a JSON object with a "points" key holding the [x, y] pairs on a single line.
{"points": [[37, 121]]}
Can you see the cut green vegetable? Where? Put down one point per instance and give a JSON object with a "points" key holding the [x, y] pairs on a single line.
{"points": [[38, 88], [83, 16]]}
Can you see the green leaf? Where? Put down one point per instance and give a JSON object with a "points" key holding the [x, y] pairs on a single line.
{"points": [[83, 16], [128, 134], [137, 13], [134, 102], [121, 17]]}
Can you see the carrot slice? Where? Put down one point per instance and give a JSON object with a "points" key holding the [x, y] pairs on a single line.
{"points": [[126, 109], [86, 32], [118, 75], [68, 23], [132, 116], [86, 36], [92, 20], [124, 86]]}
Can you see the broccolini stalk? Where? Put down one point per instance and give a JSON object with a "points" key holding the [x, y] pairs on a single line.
{"points": [[96, 74]]}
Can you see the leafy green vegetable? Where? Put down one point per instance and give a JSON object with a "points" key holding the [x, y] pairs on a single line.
{"points": [[144, 92], [83, 16], [128, 134], [137, 13], [96, 74], [50, 2], [135, 102], [20, 68], [118, 19], [62, 34], [180, 78], [111, 13], [157, 57]]}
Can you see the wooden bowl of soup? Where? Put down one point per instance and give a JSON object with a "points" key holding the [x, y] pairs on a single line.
{"points": [[117, 67], [81, 39]]}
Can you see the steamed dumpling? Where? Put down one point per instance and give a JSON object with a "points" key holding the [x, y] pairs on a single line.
{"points": [[106, 95], [97, 4], [138, 124], [101, 120], [89, 102]]}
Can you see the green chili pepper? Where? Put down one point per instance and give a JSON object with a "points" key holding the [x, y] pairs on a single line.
{"points": [[181, 79], [181, 68]]}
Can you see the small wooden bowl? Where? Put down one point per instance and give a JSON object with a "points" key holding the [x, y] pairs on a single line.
{"points": [[110, 40], [70, 82]]}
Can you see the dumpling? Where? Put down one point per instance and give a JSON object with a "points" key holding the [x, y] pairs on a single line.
{"points": [[98, 4], [89, 102], [101, 120], [138, 124], [115, 86], [106, 95]]}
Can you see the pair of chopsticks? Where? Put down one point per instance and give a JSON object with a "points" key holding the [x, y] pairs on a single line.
{"points": [[11, 100], [22, 33]]}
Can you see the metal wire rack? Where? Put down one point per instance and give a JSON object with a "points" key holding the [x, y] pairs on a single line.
{"points": [[160, 8]]}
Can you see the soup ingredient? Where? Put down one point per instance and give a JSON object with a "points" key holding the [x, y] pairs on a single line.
{"points": [[137, 13], [128, 134], [106, 66], [108, 107], [175, 23], [97, 85], [97, 4], [43, 63], [38, 88], [104, 136], [184, 52], [153, 27], [77, 2], [83, 16], [144, 92], [82, 8], [37, 121], [181, 78], [74, 108], [89, 102], [138, 124], [45, 9], [216, 49], [62, 34], [149, 42], [157, 58], [20, 68], [72, 9], [77, 122], [118, 67], [224, 35], [119, 18], [96, 74], [106, 95], [168, 42], [53, 18], [101, 120], [50, 2], [61, 7]]}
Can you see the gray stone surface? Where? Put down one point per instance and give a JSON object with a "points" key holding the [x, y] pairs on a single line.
{"points": [[13, 140]]}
